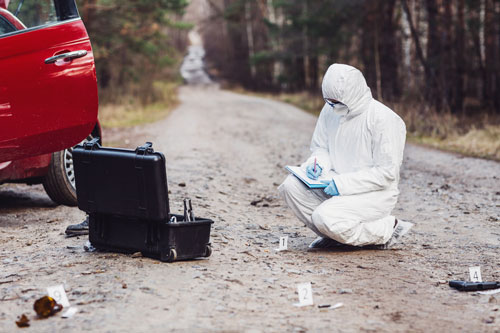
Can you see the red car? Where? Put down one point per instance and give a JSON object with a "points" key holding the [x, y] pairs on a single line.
{"points": [[48, 93]]}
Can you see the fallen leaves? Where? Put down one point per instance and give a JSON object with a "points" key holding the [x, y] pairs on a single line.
{"points": [[99, 271]]}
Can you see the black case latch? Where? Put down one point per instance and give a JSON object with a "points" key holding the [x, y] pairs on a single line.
{"points": [[145, 148], [90, 145]]}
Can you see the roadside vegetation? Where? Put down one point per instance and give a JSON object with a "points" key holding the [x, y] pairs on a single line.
{"points": [[128, 113], [434, 62], [138, 47]]}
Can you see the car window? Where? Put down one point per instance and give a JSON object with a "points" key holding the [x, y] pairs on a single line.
{"points": [[33, 13], [27, 15], [5, 26]]}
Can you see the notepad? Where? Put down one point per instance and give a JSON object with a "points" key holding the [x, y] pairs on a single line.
{"points": [[311, 183]]}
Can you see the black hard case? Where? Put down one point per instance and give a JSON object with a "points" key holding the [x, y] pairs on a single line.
{"points": [[120, 181], [160, 240], [126, 196]]}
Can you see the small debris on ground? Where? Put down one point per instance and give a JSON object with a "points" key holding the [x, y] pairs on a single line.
{"points": [[264, 200], [137, 255], [330, 307], [89, 247], [23, 321]]}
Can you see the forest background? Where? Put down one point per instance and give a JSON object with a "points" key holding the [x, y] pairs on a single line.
{"points": [[435, 62]]}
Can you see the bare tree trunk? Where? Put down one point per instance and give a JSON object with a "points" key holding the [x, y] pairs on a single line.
{"points": [[434, 94], [87, 10], [389, 52], [447, 61], [418, 46], [489, 54], [407, 54], [263, 65], [313, 72], [497, 57], [460, 57], [248, 25]]}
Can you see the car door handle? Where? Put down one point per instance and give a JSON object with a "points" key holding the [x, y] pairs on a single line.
{"points": [[66, 56]]}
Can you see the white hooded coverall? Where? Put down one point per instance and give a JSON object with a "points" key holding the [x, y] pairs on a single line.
{"points": [[362, 143]]}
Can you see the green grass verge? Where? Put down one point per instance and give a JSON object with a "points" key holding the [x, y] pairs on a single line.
{"points": [[132, 113]]}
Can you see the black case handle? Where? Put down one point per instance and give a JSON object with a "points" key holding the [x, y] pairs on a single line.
{"points": [[146, 148]]}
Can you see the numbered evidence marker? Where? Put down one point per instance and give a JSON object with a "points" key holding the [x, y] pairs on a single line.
{"points": [[70, 313], [58, 294], [475, 274], [305, 294], [283, 246]]}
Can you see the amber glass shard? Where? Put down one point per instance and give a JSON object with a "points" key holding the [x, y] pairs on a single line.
{"points": [[46, 306]]}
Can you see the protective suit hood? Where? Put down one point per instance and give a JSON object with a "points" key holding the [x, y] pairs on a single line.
{"points": [[347, 85]]}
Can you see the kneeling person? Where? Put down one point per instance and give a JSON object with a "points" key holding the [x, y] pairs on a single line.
{"points": [[360, 142]]}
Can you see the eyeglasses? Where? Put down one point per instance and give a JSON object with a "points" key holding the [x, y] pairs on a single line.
{"points": [[332, 104]]}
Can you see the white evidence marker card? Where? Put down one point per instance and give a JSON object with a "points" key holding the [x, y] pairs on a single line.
{"points": [[283, 245], [475, 274], [305, 294], [70, 313], [58, 294]]}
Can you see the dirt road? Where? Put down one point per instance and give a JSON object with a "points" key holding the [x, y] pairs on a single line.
{"points": [[230, 151]]}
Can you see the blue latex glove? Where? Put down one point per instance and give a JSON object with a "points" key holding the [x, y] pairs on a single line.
{"points": [[310, 171], [331, 189]]}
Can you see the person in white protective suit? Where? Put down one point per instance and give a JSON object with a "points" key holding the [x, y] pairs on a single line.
{"points": [[359, 143]]}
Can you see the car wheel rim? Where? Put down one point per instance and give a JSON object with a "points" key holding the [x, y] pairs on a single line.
{"points": [[69, 169]]}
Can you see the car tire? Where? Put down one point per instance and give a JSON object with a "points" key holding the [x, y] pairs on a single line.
{"points": [[59, 183], [56, 183]]}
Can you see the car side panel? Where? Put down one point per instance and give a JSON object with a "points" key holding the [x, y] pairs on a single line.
{"points": [[30, 167], [45, 107]]}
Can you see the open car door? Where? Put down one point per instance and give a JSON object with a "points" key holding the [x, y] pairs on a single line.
{"points": [[48, 87]]}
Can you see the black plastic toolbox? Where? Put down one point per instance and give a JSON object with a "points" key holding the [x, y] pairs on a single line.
{"points": [[125, 194], [167, 241]]}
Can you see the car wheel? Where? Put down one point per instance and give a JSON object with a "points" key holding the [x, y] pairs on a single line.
{"points": [[59, 183]]}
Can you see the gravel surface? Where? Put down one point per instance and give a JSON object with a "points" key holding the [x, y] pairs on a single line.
{"points": [[229, 150]]}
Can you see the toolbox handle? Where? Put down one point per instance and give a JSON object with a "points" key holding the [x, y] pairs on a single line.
{"points": [[145, 148], [90, 145]]}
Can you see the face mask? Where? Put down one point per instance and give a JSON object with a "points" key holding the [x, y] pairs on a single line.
{"points": [[338, 108]]}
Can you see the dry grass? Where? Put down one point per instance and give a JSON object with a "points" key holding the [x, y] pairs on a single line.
{"points": [[131, 113], [484, 143], [304, 100], [477, 136], [472, 136]]}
